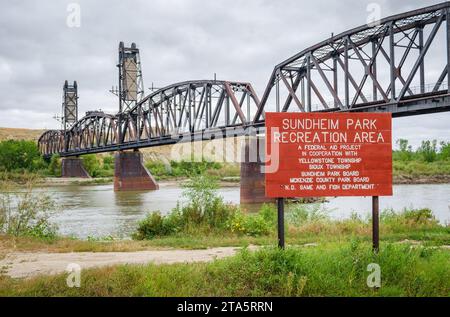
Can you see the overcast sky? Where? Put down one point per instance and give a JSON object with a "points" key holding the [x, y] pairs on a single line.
{"points": [[179, 40]]}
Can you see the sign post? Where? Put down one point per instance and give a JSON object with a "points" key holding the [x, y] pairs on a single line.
{"points": [[328, 155], [280, 207], [375, 224]]}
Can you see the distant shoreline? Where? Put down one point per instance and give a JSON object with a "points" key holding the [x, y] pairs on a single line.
{"points": [[397, 180], [421, 180]]}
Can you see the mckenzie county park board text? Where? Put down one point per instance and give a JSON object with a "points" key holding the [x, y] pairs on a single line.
{"points": [[328, 154]]}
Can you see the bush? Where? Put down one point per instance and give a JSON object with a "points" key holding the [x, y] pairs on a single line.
{"points": [[20, 155], [428, 150], [258, 224], [301, 214], [26, 213], [445, 151], [190, 168], [158, 168], [54, 168], [409, 218], [108, 162], [251, 225], [152, 226], [205, 212], [269, 213], [91, 163], [181, 168], [201, 191], [405, 153]]}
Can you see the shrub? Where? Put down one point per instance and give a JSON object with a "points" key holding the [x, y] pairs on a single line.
{"points": [[205, 211], [300, 214], [405, 153], [91, 163], [445, 151], [269, 213], [182, 168], [107, 167], [201, 191], [251, 225], [54, 168], [409, 217], [428, 150], [108, 162], [190, 168], [152, 226], [16, 155], [26, 213]]}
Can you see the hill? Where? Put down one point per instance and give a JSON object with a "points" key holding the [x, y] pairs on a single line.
{"points": [[19, 134]]}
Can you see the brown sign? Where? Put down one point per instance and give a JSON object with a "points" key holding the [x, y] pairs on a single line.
{"points": [[328, 154]]}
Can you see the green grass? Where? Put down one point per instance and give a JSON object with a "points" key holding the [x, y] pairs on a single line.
{"points": [[320, 232], [418, 168], [327, 270]]}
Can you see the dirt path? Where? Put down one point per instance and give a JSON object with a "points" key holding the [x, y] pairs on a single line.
{"points": [[27, 264]]}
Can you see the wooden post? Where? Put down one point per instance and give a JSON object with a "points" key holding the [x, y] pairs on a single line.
{"points": [[375, 224]]}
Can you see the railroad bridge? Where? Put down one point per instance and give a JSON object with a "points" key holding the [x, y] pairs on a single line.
{"points": [[400, 64]]}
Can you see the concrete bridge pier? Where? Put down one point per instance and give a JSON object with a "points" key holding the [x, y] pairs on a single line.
{"points": [[73, 167], [252, 178], [131, 174]]}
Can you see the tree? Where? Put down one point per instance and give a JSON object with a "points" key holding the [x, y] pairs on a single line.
{"points": [[445, 151], [15, 155], [91, 164], [54, 168], [428, 150], [405, 153]]}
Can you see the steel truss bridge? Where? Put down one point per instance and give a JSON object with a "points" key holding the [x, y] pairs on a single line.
{"points": [[400, 64]]}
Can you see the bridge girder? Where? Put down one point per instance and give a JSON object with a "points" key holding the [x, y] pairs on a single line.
{"points": [[376, 63], [179, 109]]}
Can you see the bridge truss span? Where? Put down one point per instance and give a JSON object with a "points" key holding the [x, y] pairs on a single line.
{"points": [[373, 67], [400, 64], [188, 107], [183, 110]]}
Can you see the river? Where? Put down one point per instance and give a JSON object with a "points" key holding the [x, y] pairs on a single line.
{"points": [[98, 211]]}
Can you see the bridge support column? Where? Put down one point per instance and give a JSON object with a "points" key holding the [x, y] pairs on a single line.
{"points": [[73, 167], [252, 179], [131, 174]]}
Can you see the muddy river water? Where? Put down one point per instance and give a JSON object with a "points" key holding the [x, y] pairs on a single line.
{"points": [[98, 211]]}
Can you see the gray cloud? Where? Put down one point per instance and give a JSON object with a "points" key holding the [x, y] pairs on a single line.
{"points": [[179, 40]]}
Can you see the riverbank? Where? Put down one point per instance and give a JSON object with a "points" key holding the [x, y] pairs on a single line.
{"points": [[414, 227], [414, 256], [420, 180], [171, 182], [333, 269], [232, 181]]}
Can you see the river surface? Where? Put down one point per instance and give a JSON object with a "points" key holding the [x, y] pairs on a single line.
{"points": [[98, 211]]}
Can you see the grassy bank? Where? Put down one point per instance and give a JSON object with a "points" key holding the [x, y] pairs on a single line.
{"points": [[207, 221], [393, 229], [333, 232], [324, 257], [329, 270], [429, 163]]}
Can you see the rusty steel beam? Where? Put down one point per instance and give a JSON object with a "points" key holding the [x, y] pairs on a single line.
{"points": [[349, 43]]}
